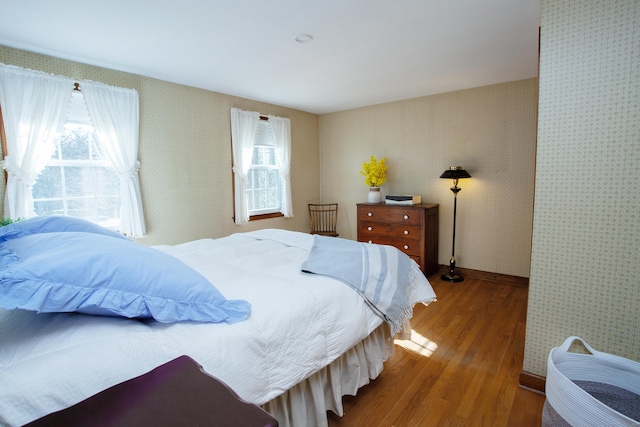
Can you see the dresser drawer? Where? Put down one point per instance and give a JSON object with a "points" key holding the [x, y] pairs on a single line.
{"points": [[370, 229], [409, 247], [390, 215]]}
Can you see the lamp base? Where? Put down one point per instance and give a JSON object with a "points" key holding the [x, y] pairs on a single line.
{"points": [[452, 278]]}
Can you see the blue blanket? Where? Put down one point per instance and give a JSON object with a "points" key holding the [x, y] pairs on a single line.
{"points": [[380, 273]]}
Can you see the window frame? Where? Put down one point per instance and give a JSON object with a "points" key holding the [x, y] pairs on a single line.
{"points": [[275, 212], [74, 123]]}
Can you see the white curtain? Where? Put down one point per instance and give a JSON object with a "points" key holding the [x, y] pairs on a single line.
{"points": [[281, 128], [34, 107], [243, 131], [114, 112]]}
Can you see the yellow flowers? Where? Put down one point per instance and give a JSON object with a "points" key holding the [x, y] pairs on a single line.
{"points": [[375, 172]]}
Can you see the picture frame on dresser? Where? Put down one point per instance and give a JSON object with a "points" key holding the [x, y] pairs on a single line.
{"points": [[413, 229]]}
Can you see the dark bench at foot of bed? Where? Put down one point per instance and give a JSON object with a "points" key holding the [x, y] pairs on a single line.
{"points": [[176, 393]]}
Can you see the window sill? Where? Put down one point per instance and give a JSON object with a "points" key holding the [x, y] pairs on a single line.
{"points": [[266, 216]]}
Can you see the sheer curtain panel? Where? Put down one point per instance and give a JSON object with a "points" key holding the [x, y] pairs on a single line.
{"points": [[281, 128], [114, 112], [34, 107], [243, 132]]}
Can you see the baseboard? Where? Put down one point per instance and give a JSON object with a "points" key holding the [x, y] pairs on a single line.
{"points": [[532, 381], [485, 275]]}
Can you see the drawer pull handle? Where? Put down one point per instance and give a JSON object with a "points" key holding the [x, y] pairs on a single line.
{"points": [[406, 231], [369, 228], [370, 241], [369, 214], [406, 246], [406, 217]]}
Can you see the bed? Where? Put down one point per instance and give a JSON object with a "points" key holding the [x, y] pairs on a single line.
{"points": [[291, 341]]}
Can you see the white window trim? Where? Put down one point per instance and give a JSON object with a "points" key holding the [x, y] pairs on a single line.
{"points": [[264, 139]]}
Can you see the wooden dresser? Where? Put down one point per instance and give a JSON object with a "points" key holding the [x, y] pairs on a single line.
{"points": [[412, 229]]}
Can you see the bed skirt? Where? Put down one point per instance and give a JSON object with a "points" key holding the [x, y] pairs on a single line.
{"points": [[307, 403]]}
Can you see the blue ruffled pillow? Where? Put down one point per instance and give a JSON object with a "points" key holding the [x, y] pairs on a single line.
{"points": [[102, 275], [53, 223]]}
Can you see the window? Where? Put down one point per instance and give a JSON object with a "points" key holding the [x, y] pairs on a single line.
{"points": [[261, 166], [100, 142], [263, 179], [78, 180]]}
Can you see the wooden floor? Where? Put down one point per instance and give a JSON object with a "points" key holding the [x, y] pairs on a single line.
{"points": [[460, 368]]}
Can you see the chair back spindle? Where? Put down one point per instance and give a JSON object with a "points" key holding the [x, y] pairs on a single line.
{"points": [[323, 218]]}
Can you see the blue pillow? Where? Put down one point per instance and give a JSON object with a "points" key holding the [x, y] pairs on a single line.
{"points": [[102, 275], [54, 223]]}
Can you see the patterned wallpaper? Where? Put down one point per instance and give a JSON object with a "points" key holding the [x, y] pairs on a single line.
{"points": [[490, 131], [185, 152], [585, 267]]}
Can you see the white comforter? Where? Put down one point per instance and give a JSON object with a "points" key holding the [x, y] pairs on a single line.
{"points": [[298, 324]]}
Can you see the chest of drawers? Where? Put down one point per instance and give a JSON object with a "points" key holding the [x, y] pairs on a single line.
{"points": [[412, 229]]}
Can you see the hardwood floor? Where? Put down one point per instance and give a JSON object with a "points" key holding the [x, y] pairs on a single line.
{"points": [[460, 368]]}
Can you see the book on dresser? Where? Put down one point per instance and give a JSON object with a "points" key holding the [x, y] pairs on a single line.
{"points": [[403, 200], [413, 229]]}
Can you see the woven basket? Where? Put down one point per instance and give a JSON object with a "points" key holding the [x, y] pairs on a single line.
{"points": [[596, 389]]}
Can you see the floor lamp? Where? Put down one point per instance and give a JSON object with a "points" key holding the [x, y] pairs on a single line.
{"points": [[455, 173]]}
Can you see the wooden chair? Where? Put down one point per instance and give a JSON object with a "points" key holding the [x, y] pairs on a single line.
{"points": [[323, 218]]}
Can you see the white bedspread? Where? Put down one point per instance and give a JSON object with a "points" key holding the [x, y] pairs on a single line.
{"points": [[298, 324]]}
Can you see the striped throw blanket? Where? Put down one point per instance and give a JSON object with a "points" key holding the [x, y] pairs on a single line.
{"points": [[381, 274]]}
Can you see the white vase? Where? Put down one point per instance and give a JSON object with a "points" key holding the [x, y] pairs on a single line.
{"points": [[374, 195]]}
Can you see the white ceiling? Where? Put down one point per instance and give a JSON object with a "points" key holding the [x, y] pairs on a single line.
{"points": [[363, 52]]}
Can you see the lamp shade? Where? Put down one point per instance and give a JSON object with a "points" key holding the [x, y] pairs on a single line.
{"points": [[455, 172]]}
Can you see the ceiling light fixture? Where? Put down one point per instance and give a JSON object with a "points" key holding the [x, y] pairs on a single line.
{"points": [[304, 38]]}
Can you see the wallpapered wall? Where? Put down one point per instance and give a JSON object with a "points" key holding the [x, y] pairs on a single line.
{"points": [[186, 178], [490, 131], [585, 268], [185, 152]]}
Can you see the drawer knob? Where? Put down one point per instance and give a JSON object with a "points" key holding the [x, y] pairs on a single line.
{"points": [[369, 214], [406, 216], [369, 228], [406, 246], [370, 241], [406, 231]]}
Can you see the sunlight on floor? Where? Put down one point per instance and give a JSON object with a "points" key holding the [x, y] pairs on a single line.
{"points": [[418, 344]]}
